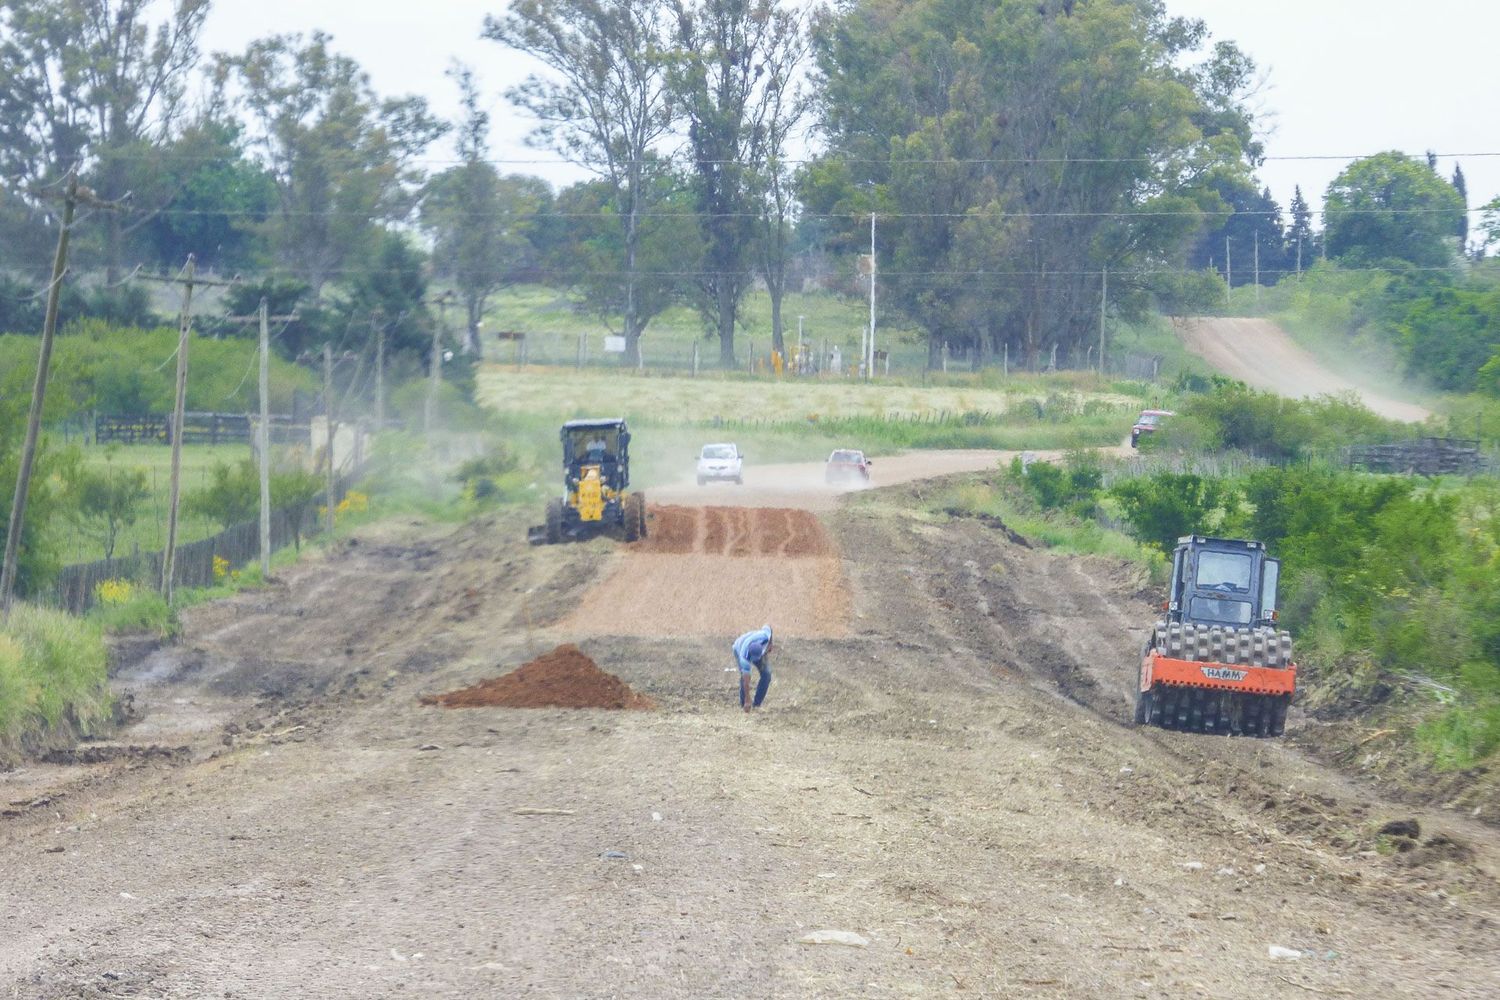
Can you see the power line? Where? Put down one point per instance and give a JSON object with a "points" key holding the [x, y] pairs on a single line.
{"points": [[844, 160]]}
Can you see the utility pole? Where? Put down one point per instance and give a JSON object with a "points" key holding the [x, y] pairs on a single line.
{"points": [[263, 433], [71, 198], [188, 280], [1103, 304], [1299, 255], [379, 330], [1228, 277], [435, 368], [329, 501], [1257, 271], [870, 345], [264, 441]]}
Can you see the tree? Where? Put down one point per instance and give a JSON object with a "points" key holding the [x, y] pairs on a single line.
{"points": [[341, 158], [605, 104], [1015, 150], [1391, 207], [1301, 242], [587, 253], [732, 71], [1489, 227], [1253, 226], [107, 501], [1462, 187], [480, 222], [788, 105], [209, 198], [91, 83], [392, 292]]}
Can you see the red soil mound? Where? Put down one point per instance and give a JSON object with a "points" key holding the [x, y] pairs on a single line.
{"points": [[737, 531], [563, 678]]}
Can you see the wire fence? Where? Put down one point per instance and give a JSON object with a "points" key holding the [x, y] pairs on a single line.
{"points": [[198, 564]]}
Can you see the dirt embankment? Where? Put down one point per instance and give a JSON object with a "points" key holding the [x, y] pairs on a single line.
{"points": [[1259, 353]]}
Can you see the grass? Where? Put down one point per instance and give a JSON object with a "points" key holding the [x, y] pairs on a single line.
{"points": [[569, 392], [552, 322], [1055, 530], [52, 673], [149, 532]]}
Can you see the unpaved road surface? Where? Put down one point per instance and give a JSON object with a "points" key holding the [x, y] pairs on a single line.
{"points": [[949, 776], [1259, 353]]}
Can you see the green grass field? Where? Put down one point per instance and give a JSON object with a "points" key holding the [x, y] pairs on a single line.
{"points": [[552, 322], [84, 543]]}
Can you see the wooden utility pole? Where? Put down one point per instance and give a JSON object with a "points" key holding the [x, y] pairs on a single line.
{"points": [[329, 501], [188, 281], [264, 440], [38, 396], [435, 368], [263, 433], [1103, 305], [1257, 271], [379, 331], [1228, 277], [869, 358]]}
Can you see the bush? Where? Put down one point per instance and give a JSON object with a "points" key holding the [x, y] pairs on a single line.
{"points": [[1074, 489], [1165, 506]]}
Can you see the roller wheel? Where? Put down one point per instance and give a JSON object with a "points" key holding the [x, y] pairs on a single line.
{"points": [[554, 521], [1278, 715], [635, 517], [1142, 698]]}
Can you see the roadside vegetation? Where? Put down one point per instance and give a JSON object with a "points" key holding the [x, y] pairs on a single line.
{"points": [[52, 677], [1391, 584]]}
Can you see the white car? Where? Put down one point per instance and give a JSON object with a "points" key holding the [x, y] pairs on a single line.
{"points": [[720, 461]]}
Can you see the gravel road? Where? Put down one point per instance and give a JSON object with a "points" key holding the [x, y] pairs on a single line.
{"points": [[951, 777]]}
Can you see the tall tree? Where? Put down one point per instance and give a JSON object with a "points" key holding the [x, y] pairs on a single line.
{"points": [[480, 222], [342, 158], [93, 84], [1016, 149], [1462, 187], [604, 103], [1300, 240], [734, 67], [1390, 207], [788, 105], [586, 246]]}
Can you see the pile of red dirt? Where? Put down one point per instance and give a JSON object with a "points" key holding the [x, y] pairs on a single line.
{"points": [[736, 531], [563, 678]]}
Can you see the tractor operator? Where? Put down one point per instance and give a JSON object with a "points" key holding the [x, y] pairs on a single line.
{"points": [[754, 649]]}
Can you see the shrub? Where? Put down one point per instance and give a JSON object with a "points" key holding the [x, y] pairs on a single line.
{"points": [[1163, 507]]}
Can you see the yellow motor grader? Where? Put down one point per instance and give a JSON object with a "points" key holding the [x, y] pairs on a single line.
{"points": [[596, 479]]}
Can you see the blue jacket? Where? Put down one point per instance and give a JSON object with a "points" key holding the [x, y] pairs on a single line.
{"points": [[750, 649]]}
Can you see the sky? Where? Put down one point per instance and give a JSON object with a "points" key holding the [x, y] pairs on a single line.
{"points": [[1342, 78]]}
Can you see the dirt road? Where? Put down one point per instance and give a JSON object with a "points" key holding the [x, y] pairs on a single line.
{"points": [[950, 778], [1261, 354]]}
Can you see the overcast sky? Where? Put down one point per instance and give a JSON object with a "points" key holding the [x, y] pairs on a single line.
{"points": [[1344, 78]]}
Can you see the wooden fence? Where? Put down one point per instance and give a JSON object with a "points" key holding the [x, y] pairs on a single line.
{"points": [[197, 428], [76, 588], [1427, 456]]}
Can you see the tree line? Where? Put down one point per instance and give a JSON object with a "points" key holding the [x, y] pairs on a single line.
{"points": [[1026, 165]]}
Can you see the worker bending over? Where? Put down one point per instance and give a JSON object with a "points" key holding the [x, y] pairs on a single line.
{"points": [[754, 649]]}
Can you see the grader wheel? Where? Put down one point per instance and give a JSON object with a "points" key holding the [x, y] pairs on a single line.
{"points": [[635, 517]]}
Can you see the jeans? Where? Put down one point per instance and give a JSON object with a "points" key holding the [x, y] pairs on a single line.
{"points": [[761, 686]]}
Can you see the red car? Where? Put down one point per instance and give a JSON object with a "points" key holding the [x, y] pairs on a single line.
{"points": [[846, 465], [1147, 423]]}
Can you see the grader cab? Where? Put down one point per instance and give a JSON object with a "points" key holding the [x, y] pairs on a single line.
{"points": [[1217, 662], [596, 479]]}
